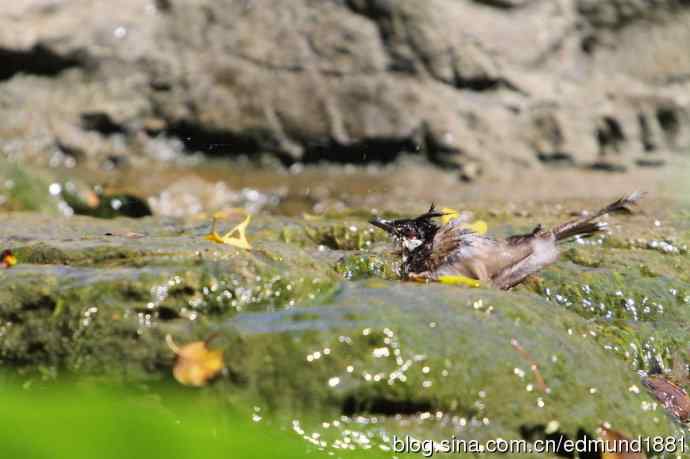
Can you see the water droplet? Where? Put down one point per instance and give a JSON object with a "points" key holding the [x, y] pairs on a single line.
{"points": [[120, 32], [55, 189]]}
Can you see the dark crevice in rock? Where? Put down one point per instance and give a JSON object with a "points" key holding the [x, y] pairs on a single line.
{"points": [[669, 122], [478, 84], [402, 64], [70, 150], [213, 141], [485, 84], [373, 150], [38, 60], [609, 135], [439, 153], [556, 158], [502, 4], [588, 44], [646, 135], [372, 9], [221, 143], [384, 406], [451, 157], [650, 162], [164, 6], [606, 166], [100, 122]]}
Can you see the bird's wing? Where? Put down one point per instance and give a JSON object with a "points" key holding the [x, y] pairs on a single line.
{"points": [[454, 242], [458, 249], [518, 239]]}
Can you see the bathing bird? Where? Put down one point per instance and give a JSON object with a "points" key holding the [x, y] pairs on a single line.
{"points": [[443, 252]]}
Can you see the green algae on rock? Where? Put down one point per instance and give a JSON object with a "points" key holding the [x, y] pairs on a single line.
{"points": [[432, 360], [375, 354], [634, 296], [95, 291]]}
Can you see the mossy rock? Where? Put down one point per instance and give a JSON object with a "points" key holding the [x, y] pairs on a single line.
{"points": [[98, 297]]}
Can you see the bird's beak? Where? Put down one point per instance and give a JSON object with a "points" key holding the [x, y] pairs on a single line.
{"points": [[384, 225]]}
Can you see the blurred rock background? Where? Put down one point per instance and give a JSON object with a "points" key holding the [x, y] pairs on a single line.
{"points": [[478, 85]]}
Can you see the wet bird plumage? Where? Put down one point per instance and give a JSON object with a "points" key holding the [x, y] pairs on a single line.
{"points": [[430, 251]]}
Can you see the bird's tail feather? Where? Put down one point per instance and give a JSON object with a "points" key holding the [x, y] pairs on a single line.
{"points": [[585, 226], [584, 229]]}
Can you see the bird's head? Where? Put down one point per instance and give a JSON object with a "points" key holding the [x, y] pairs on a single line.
{"points": [[412, 232]]}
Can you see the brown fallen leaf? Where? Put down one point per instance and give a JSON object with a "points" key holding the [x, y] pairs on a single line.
{"points": [[673, 397], [196, 364], [618, 445], [7, 259]]}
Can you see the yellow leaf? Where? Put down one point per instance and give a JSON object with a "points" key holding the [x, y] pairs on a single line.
{"points": [[214, 237], [240, 241], [479, 226], [459, 280], [7, 259], [196, 364], [449, 215]]}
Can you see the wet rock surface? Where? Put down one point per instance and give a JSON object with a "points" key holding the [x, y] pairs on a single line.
{"points": [[317, 330], [480, 85]]}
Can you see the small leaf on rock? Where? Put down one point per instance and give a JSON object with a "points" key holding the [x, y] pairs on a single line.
{"points": [[459, 280], [674, 399], [7, 259], [449, 215], [478, 226], [239, 241], [196, 364]]}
